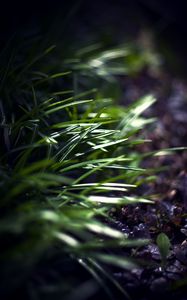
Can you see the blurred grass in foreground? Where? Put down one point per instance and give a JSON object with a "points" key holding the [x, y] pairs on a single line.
{"points": [[67, 158]]}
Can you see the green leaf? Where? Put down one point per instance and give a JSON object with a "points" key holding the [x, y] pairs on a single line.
{"points": [[117, 200], [164, 245], [67, 105], [117, 261]]}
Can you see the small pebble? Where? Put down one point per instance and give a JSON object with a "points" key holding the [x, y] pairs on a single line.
{"points": [[159, 285]]}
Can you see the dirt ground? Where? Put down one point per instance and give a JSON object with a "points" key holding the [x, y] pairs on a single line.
{"points": [[169, 214]]}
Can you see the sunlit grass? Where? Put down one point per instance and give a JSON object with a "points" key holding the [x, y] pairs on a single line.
{"points": [[65, 162]]}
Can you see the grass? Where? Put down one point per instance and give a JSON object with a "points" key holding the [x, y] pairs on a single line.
{"points": [[67, 158]]}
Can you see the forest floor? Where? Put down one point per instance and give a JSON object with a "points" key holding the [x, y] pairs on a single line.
{"points": [[169, 214]]}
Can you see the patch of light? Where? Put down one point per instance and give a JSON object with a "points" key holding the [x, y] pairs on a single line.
{"points": [[102, 115], [114, 54], [95, 63]]}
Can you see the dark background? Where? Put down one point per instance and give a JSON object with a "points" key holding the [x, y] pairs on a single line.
{"points": [[121, 18], [17, 14]]}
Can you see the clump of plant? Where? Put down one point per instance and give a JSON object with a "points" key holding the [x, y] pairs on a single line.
{"points": [[67, 157]]}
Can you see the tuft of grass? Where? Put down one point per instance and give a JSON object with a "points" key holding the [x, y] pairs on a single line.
{"points": [[66, 160]]}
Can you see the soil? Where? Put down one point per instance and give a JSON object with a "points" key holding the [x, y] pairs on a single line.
{"points": [[169, 213]]}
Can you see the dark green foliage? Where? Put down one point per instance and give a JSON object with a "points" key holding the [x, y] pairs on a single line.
{"points": [[66, 160]]}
